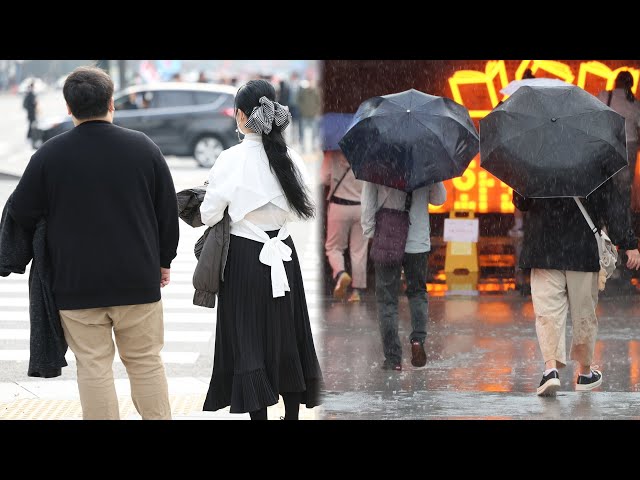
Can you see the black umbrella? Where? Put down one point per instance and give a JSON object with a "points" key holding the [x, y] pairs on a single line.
{"points": [[410, 139], [553, 142]]}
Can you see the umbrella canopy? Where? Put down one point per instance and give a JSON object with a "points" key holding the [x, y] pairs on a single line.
{"points": [[333, 126], [410, 139], [532, 82], [553, 142]]}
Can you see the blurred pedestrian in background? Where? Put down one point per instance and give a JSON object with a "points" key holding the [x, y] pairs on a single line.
{"points": [[294, 109], [284, 92], [264, 345], [415, 262], [622, 100], [309, 105], [344, 229], [30, 104], [112, 230], [131, 103], [202, 77]]}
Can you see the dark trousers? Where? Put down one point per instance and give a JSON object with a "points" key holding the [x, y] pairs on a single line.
{"points": [[387, 290]]}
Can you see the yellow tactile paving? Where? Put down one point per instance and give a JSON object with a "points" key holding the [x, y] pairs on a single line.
{"points": [[181, 405]]}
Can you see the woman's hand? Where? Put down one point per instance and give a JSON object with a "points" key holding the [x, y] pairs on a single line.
{"points": [[633, 259]]}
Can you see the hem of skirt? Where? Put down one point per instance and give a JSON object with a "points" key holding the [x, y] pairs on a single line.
{"points": [[250, 391], [312, 396], [257, 393]]}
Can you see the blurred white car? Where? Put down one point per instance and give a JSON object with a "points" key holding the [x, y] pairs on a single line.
{"points": [[38, 85]]}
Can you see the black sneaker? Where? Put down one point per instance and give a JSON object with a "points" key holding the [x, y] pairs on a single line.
{"points": [[584, 384], [549, 384], [389, 365]]}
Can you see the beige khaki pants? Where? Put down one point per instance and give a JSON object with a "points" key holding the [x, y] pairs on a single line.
{"points": [[139, 334], [345, 230], [556, 293]]}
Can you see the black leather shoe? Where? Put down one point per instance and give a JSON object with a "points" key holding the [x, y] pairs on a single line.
{"points": [[387, 365], [418, 355]]}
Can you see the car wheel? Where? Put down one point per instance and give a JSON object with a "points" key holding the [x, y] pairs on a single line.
{"points": [[206, 150]]}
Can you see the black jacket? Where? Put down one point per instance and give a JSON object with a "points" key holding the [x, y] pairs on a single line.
{"points": [[17, 247], [112, 216], [211, 249], [557, 237], [29, 103]]}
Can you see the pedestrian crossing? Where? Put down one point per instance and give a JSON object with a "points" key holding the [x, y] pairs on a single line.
{"points": [[189, 329]]}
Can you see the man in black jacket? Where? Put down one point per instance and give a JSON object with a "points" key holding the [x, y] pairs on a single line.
{"points": [[562, 253], [30, 104], [112, 232]]}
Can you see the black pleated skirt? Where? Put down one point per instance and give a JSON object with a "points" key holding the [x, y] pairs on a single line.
{"points": [[263, 345]]}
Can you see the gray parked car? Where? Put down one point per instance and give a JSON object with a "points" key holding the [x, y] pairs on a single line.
{"points": [[183, 119]]}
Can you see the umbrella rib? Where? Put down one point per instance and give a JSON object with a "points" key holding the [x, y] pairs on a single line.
{"points": [[590, 135], [435, 135], [581, 130], [391, 100], [467, 127], [519, 134]]}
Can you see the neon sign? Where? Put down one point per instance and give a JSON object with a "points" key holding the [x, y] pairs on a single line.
{"points": [[477, 189]]}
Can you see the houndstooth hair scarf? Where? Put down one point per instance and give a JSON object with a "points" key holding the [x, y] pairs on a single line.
{"points": [[262, 118]]}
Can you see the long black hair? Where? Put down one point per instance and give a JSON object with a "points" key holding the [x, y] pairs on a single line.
{"points": [[247, 98], [624, 80]]}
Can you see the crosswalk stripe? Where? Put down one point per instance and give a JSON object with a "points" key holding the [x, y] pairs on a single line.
{"points": [[167, 357]]}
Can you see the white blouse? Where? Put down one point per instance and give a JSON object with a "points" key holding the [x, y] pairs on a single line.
{"points": [[242, 180]]}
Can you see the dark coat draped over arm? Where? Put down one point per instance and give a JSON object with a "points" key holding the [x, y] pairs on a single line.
{"points": [[18, 246]]}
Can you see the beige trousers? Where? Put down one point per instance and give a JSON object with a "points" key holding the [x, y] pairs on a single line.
{"points": [[556, 293], [345, 230], [139, 334]]}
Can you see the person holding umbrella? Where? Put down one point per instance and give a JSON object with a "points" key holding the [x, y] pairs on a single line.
{"points": [[404, 145], [560, 251], [558, 148], [343, 212], [414, 263]]}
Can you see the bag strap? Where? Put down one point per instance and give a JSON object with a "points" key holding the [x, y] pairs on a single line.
{"points": [[407, 202], [596, 232], [339, 182], [586, 216], [609, 101]]}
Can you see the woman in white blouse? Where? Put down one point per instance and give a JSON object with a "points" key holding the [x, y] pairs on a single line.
{"points": [[264, 346]]}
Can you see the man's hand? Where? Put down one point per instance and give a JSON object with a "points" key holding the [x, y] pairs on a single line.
{"points": [[633, 259], [165, 274]]}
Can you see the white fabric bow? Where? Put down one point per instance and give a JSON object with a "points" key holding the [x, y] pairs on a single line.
{"points": [[274, 253]]}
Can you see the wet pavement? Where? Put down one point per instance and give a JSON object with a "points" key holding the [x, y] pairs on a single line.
{"points": [[483, 361]]}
